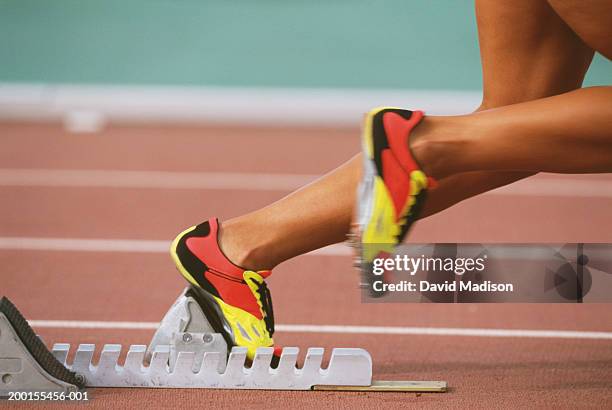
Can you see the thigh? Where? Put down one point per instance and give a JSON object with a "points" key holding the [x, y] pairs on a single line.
{"points": [[591, 20], [527, 52]]}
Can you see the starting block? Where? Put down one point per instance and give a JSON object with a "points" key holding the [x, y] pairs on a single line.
{"points": [[185, 352]]}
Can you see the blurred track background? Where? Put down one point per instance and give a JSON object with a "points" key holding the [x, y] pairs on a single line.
{"points": [[121, 123]]}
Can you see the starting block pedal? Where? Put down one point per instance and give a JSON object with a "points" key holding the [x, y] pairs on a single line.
{"points": [[185, 352], [25, 362]]}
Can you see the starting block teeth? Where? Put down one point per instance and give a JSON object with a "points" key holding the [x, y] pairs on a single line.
{"points": [[347, 367]]}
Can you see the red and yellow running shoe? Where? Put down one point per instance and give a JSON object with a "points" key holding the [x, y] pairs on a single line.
{"points": [[236, 301], [393, 186]]}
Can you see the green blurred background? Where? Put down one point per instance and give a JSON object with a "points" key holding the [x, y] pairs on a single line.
{"points": [[266, 43]]}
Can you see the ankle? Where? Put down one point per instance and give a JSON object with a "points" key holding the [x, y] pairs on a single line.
{"points": [[242, 247], [437, 144]]}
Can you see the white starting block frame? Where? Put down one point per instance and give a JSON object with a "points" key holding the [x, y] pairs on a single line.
{"points": [[185, 352], [352, 367]]}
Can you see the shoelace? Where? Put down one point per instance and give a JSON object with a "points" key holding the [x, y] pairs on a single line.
{"points": [[266, 304]]}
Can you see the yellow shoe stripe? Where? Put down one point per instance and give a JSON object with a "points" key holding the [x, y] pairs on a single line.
{"points": [[381, 229], [177, 260], [242, 323]]}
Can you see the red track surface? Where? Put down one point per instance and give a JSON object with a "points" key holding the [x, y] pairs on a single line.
{"points": [[482, 372]]}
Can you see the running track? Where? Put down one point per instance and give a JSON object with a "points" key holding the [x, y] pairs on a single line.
{"points": [[86, 217]]}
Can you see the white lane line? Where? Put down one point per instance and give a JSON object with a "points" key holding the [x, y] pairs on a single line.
{"points": [[446, 331], [154, 179], [548, 186], [557, 187], [118, 245], [375, 330], [87, 245], [87, 324]]}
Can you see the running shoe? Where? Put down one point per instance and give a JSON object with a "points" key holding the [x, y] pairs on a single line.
{"points": [[393, 187], [236, 301]]}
